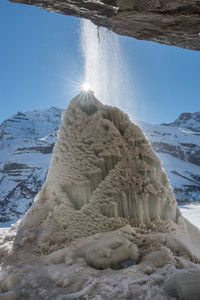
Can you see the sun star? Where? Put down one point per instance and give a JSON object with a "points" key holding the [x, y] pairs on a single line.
{"points": [[86, 87]]}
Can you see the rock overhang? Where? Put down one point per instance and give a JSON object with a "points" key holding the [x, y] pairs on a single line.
{"points": [[171, 22]]}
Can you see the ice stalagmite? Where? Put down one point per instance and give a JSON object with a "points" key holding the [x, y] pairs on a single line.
{"points": [[105, 224], [103, 175]]}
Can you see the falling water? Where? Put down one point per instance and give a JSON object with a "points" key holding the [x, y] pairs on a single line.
{"points": [[104, 68]]}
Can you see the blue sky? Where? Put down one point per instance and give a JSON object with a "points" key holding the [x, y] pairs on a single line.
{"points": [[40, 57]]}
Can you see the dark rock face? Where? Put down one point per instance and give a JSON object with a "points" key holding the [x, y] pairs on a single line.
{"points": [[173, 22], [184, 151]]}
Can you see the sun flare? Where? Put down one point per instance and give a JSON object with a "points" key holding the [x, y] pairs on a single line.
{"points": [[85, 87]]}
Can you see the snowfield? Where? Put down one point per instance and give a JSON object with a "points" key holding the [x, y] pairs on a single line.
{"points": [[192, 213]]}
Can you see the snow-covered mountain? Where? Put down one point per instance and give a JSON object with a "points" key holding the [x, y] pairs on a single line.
{"points": [[178, 146], [26, 144], [27, 140]]}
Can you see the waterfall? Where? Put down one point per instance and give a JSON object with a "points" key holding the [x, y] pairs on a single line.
{"points": [[105, 70]]}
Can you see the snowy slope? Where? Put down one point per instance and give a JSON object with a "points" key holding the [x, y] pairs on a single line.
{"points": [[191, 212], [26, 144], [27, 140], [179, 150]]}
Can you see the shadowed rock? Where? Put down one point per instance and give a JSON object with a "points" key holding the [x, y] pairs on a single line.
{"points": [[174, 22]]}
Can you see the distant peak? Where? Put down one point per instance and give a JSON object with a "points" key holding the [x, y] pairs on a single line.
{"points": [[187, 120], [54, 108], [185, 116]]}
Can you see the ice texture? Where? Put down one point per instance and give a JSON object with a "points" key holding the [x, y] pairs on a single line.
{"points": [[103, 175]]}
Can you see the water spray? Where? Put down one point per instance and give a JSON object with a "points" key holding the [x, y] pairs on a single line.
{"points": [[105, 71]]}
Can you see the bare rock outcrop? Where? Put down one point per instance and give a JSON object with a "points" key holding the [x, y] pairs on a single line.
{"points": [[167, 22]]}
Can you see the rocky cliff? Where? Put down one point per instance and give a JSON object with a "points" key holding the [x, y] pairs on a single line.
{"points": [[167, 22]]}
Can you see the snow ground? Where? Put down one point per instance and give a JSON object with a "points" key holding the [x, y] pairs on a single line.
{"points": [[192, 213]]}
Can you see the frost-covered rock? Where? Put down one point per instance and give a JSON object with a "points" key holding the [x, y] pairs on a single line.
{"points": [[184, 284]]}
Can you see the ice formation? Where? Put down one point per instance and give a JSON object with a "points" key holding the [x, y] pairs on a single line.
{"points": [[105, 224]]}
